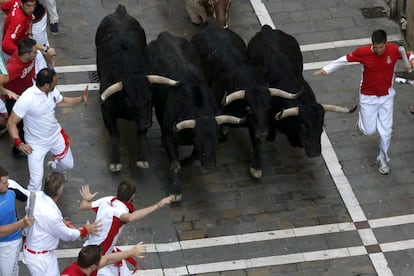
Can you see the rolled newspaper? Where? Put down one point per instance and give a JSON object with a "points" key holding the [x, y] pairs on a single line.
{"points": [[32, 201], [403, 54], [403, 80]]}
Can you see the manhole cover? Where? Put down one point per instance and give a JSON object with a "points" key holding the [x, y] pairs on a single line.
{"points": [[94, 77], [374, 12]]}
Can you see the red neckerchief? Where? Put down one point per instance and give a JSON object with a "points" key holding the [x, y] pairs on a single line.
{"points": [[129, 205]]}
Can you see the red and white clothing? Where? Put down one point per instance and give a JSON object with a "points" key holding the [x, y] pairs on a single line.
{"points": [[15, 27], [75, 270], [376, 91], [108, 212], [43, 133], [21, 75], [44, 235]]}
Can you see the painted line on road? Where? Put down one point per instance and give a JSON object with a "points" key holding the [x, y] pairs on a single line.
{"points": [[304, 48], [64, 88], [348, 196], [306, 231], [302, 257], [262, 14]]}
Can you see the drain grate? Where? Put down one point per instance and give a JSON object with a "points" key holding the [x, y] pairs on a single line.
{"points": [[94, 77], [374, 12]]}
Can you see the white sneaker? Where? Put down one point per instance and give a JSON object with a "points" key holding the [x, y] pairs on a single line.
{"points": [[383, 167], [51, 165], [65, 175]]}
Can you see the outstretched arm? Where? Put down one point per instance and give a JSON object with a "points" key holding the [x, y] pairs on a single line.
{"points": [[141, 213], [332, 67], [135, 251], [70, 101]]}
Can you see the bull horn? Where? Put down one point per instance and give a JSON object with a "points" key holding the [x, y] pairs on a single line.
{"points": [[337, 108], [116, 87], [227, 119], [284, 94], [236, 95], [191, 123], [293, 111], [162, 80]]}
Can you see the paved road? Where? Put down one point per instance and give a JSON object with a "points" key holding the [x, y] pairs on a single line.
{"points": [[332, 215]]}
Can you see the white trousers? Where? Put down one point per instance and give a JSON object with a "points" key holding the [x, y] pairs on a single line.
{"points": [[41, 264], [376, 115], [9, 257], [37, 157], [52, 11], [39, 31]]}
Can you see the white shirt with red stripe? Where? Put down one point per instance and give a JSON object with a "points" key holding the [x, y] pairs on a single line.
{"points": [[108, 212], [38, 112]]}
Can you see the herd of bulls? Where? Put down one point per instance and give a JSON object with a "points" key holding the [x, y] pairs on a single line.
{"points": [[201, 87]]}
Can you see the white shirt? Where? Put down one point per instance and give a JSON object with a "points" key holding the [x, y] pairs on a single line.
{"points": [[48, 227], [108, 214], [38, 112]]}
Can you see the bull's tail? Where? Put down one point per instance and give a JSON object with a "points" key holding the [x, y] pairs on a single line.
{"points": [[121, 10]]}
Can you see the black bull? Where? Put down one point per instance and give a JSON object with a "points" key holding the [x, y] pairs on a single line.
{"points": [[226, 67], [120, 41], [187, 114], [280, 60]]}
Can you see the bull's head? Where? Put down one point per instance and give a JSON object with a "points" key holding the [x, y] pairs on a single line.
{"points": [[220, 11], [258, 106], [306, 131], [205, 133]]}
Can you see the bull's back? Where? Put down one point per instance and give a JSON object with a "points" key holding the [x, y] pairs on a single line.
{"points": [[268, 42]]}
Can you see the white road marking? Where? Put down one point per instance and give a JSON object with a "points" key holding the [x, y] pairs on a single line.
{"points": [[352, 204]]}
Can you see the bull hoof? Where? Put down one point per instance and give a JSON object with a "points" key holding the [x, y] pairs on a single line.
{"points": [[177, 198], [115, 167], [255, 172], [142, 164]]}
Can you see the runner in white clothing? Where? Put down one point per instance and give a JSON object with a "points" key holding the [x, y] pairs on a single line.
{"points": [[43, 132], [50, 227], [114, 212]]}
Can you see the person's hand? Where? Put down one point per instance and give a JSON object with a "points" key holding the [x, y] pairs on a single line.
{"points": [[86, 194], [138, 250], [11, 94], [25, 148], [28, 221], [85, 94], [320, 72], [165, 201], [94, 227], [51, 52]]}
